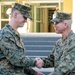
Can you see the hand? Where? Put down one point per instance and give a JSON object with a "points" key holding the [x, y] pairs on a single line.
{"points": [[40, 73], [39, 62]]}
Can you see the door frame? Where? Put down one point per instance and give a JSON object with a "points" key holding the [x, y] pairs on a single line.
{"points": [[36, 3]]}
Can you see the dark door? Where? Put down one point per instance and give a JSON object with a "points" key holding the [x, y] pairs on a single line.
{"points": [[50, 24]]}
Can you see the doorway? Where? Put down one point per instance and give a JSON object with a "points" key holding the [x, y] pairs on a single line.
{"points": [[43, 17], [50, 17]]}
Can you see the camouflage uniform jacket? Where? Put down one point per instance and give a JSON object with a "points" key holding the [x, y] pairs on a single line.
{"points": [[63, 56], [12, 54]]}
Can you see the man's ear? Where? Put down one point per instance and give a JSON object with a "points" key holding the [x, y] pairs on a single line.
{"points": [[66, 25], [15, 14]]}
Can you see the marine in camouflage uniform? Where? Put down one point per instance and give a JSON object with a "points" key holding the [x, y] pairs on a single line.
{"points": [[62, 57], [12, 52]]}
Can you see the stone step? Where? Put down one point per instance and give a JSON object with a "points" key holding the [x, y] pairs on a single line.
{"points": [[40, 45]]}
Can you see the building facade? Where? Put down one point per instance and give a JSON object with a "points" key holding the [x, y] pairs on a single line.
{"points": [[42, 12]]}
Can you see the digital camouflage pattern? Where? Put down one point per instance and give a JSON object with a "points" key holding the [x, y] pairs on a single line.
{"points": [[60, 17], [24, 10], [63, 56], [12, 54]]}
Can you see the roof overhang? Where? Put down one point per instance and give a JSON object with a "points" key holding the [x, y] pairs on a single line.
{"points": [[41, 1]]}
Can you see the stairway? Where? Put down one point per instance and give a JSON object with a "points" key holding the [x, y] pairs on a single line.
{"points": [[39, 45]]}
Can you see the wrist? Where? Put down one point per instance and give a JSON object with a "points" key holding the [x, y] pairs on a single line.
{"points": [[35, 63]]}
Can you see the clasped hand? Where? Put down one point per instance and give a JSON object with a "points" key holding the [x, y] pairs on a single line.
{"points": [[39, 62]]}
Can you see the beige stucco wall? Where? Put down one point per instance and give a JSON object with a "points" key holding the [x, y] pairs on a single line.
{"points": [[73, 16], [67, 6], [19, 1]]}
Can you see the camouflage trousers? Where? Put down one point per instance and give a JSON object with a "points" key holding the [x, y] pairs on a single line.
{"points": [[71, 73], [11, 72], [8, 73]]}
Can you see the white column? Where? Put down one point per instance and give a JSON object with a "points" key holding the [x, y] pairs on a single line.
{"points": [[73, 16], [35, 18], [0, 15]]}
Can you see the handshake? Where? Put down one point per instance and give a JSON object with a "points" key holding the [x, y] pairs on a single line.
{"points": [[39, 62]]}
